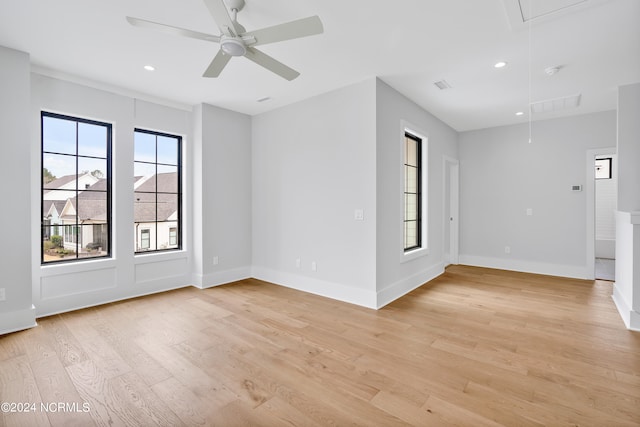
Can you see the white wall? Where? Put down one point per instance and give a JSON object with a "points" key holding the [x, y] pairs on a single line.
{"points": [[626, 292], [16, 311], [222, 195], [502, 176], [313, 164], [65, 287], [394, 277]]}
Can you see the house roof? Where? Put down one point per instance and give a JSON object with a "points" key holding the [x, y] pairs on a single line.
{"points": [[145, 209], [48, 204], [91, 204], [59, 182]]}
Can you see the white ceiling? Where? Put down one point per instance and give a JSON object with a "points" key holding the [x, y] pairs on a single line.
{"points": [[409, 44]]}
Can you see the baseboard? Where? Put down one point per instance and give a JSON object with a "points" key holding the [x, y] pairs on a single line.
{"points": [[203, 281], [337, 291], [571, 271], [630, 318], [18, 320], [406, 285]]}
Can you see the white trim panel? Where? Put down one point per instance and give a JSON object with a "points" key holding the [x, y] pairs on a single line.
{"points": [[402, 287], [18, 320], [571, 271], [337, 291]]}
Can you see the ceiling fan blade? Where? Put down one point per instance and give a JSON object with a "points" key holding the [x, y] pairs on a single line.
{"points": [[291, 30], [271, 64], [218, 10], [217, 65], [175, 31]]}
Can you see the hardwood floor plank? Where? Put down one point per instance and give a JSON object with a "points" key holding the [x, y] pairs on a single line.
{"points": [[475, 346]]}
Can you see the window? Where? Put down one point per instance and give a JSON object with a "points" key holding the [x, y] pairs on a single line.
{"points": [[412, 192], [145, 239], [603, 168], [75, 188], [157, 191]]}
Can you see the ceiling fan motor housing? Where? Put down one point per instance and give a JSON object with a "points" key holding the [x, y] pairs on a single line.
{"points": [[232, 46]]}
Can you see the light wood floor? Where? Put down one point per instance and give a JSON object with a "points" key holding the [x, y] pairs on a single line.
{"points": [[475, 347]]}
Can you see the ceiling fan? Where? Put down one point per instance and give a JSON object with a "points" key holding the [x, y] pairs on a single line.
{"points": [[235, 40]]}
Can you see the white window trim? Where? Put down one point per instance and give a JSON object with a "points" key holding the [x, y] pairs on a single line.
{"points": [[424, 249]]}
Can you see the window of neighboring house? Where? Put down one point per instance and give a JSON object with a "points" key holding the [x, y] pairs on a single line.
{"points": [[603, 168], [76, 178], [157, 191], [413, 178], [145, 239]]}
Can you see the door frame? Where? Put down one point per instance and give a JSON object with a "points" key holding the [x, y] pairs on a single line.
{"points": [[590, 192], [451, 222]]}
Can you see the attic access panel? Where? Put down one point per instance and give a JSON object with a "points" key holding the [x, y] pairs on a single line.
{"points": [[521, 12]]}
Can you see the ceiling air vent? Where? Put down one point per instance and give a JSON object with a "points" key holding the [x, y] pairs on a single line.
{"points": [[556, 104], [442, 84]]}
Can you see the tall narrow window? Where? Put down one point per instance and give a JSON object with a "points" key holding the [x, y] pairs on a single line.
{"points": [[412, 192], [157, 191], [75, 189]]}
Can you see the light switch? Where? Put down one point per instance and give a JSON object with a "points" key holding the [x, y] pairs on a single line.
{"points": [[529, 212], [358, 215]]}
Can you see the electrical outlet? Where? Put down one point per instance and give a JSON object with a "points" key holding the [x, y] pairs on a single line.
{"points": [[358, 215], [507, 249], [314, 266], [215, 260], [3, 294], [297, 262]]}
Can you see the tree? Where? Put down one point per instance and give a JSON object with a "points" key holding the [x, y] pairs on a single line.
{"points": [[47, 176], [97, 173]]}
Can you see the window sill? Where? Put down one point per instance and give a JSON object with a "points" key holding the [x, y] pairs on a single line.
{"points": [[76, 267], [150, 257], [414, 254]]}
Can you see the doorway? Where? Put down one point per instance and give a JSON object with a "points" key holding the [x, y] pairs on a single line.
{"points": [[451, 226], [602, 195]]}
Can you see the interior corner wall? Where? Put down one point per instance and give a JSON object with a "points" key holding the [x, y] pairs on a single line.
{"points": [[313, 166], [16, 310], [68, 286], [222, 204], [502, 176], [394, 277], [626, 291]]}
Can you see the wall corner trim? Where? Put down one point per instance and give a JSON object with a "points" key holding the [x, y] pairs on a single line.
{"points": [[204, 281], [402, 287], [18, 320], [337, 291]]}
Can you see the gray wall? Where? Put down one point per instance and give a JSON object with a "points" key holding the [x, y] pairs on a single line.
{"points": [[626, 292], [397, 274], [16, 310], [221, 172], [502, 176], [313, 166]]}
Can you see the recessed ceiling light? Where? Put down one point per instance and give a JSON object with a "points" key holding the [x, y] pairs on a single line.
{"points": [[149, 67], [500, 64], [520, 113]]}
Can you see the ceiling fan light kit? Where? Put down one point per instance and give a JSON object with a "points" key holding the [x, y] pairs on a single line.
{"points": [[236, 41]]}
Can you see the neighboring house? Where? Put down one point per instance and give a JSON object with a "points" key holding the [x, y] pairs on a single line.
{"points": [[155, 220], [65, 187], [56, 194], [51, 214], [84, 219]]}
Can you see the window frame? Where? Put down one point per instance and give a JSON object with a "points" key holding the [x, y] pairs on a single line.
{"points": [[408, 254], [179, 194], [77, 226]]}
